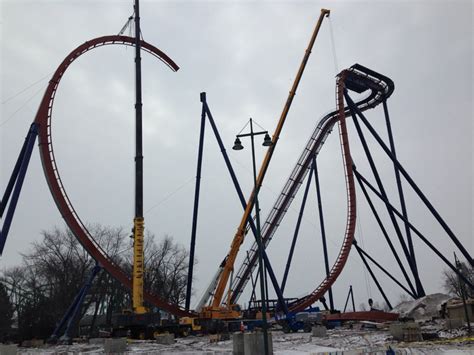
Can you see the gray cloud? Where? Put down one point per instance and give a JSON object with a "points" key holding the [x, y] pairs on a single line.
{"points": [[245, 55]]}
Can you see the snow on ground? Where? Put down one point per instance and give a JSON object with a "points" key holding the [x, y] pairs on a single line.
{"points": [[423, 308], [338, 341]]}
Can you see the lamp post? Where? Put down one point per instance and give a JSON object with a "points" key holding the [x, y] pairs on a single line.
{"points": [[238, 146]]}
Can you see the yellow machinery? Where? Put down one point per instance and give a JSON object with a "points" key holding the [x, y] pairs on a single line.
{"points": [[189, 325], [138, 222], [229, 311], [138, 266]]}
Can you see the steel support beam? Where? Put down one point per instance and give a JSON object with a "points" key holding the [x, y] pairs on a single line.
{"points": [[382, 190], [351, 295], [323, 230], [71, 316], [414, 230], [244, 204], [385, 234], [412, 183], [356, 245], [196, 204], [297, 229], [420, 290], [13, 177], [19, 179], [375, 280]]}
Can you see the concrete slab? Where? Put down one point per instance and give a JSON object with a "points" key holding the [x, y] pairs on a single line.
{"points": [[96, 341], [254, 345], [115, 345], [33, 343], [409, 331], [166, 339], [238, 343], [453, 323], [319, 331], [10, 349]]}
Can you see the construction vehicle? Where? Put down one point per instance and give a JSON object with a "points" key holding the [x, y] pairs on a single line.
{"points": [[305, 320], [189, 326], [217, 309]]}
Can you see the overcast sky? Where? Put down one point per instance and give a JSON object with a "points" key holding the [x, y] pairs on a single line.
{"points": [[245, 55]]}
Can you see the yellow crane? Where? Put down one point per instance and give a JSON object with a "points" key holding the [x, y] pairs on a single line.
{"points": [[138, 222], [228, 311]]}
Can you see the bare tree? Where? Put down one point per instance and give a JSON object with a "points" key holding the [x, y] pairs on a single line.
{"points": [[6, 310], [53, 271], [452, 284], [166, 268]]}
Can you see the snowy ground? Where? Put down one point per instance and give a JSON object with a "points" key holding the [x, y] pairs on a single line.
{"points": [[340, 341]]}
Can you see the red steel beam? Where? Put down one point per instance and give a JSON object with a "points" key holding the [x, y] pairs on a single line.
{"points": [[375, 316]]}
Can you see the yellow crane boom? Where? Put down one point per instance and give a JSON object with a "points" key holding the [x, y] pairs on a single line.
{"points": [[215, 310]]}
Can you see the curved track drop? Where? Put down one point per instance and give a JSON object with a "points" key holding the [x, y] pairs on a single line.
{"points": [[44, 119], [359, 79]]}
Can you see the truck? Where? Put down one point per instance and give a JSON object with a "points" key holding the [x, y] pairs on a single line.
{"points": [[305, 320]]}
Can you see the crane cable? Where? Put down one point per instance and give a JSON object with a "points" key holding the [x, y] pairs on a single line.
{"points": [[358, 223], [42, 88], [27, 88], [333, 47]]}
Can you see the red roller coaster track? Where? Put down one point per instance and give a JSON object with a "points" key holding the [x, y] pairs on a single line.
{"points": [[358, 79], [385, 91], [43, 119]]}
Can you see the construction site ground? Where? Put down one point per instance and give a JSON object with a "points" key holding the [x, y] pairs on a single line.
{"points": [[348, 341]]}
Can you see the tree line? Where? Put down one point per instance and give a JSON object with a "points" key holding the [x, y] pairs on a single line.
{"points": [[35, 294]]}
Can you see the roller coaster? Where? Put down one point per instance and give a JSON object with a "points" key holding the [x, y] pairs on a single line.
{"points": [[356, 79]]}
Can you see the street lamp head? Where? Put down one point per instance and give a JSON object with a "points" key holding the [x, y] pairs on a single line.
{"points": [[237, 144], [267, 141]]}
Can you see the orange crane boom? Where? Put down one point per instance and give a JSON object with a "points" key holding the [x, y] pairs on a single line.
{"points": [[215, 310]]}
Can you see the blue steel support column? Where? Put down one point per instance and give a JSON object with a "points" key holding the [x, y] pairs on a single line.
{"points": [[67, 337], [266, 283], [196, 203], [419, 287], [323, 230], [32, 134], [414, 230], [385, 234], [244, 204], [297, 229], [354, 243], [72, 308], [253, 282], [347, 299], [382, 189], [13, 177], [375, 279], [253, 296], [54, 337], [352, 298], [412, 183], [351, 295]]}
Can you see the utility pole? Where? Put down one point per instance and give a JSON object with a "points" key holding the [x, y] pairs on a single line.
{"points": [[267, 142], [138, 222]]}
